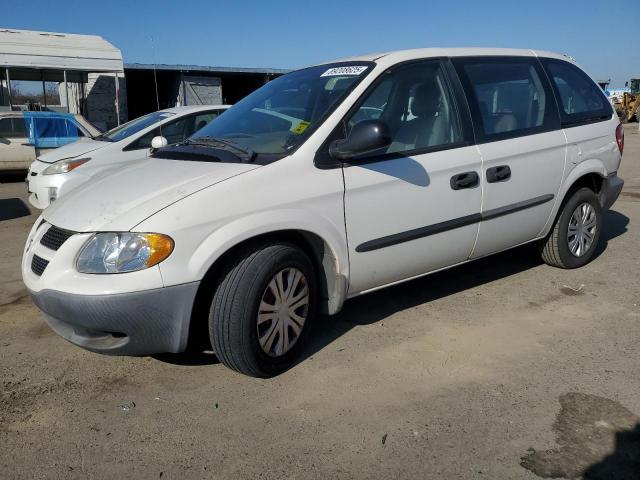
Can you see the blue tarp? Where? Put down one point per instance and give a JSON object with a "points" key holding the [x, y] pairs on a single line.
{"points": [[51, 129]]}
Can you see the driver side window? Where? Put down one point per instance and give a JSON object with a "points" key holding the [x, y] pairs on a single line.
{"points": [[174, 132], [415, 102]]}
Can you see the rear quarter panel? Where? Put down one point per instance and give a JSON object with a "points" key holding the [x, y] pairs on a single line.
{"points": [[590, 149]]}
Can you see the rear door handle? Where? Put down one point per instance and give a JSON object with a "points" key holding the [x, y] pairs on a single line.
{"points": [[498, 174], [465, 180]]}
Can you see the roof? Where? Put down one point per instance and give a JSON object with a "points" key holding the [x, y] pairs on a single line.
{"points": [[401, 55], [59, 51], [201, 68], [36, 114], [194, 108]]}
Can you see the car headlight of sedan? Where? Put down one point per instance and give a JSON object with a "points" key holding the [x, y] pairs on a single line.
{"points": [[123, 252], [65, 166]]}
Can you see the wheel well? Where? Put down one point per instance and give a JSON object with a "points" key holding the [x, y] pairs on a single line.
{"points": [[313, 245], [592, 181]]}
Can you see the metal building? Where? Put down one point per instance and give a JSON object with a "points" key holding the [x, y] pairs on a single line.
{"points": [[86, 71], [189, 85], [85, 74]]}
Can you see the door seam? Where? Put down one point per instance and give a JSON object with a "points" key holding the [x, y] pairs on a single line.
{"points": [[475, 242]]}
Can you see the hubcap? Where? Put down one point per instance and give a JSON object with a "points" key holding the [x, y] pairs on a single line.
{"points": [[284, 307], [582, 229]]}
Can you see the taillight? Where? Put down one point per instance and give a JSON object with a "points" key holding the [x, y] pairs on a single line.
{"points": [[620, 137]]}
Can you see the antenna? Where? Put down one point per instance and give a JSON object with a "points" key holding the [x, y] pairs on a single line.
{"points": [[155, 77]]}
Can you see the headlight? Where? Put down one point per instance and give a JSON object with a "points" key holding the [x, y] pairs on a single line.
{"points": [[123, 252], [65, 166]]}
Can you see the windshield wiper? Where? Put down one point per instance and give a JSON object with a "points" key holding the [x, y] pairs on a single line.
{"points": [[249, 154]]}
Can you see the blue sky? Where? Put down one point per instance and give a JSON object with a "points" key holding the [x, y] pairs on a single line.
{"points": [[279, 34]]}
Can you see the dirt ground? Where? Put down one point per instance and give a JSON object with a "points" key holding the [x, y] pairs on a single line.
{"points": [[501, 369]]}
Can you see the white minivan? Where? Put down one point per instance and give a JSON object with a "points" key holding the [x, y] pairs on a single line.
{"points": [[327, 183]]}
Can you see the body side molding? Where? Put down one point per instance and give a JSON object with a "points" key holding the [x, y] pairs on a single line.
{"points": [[452, 224]]}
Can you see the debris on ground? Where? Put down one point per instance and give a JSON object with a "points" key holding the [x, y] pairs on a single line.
{"points": [[569, 290], [128, 406]]}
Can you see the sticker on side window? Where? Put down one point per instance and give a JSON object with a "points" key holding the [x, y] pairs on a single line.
{"points": [[349, 70]]}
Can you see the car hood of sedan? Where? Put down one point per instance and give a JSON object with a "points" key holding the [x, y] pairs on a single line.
{"points": [[119, 199], [79, 147]]}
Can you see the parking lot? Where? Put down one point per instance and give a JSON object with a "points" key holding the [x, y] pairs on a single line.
{"points": [[502, 368]]}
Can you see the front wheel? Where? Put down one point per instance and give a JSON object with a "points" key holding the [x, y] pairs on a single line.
{"points": [[262, 310], [575, 234]]}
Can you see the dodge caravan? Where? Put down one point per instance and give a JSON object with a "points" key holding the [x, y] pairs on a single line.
{"points": [[327, 183]]}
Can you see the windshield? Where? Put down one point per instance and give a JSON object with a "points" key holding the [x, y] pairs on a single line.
{"points": [[134, 126], [280, 116]]}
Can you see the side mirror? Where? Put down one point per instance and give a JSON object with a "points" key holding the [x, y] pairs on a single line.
{"points": [[365, 137], [158, 142]]}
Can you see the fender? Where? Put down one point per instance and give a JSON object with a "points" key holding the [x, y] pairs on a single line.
{"points": [[334, 258], [592, 165]]}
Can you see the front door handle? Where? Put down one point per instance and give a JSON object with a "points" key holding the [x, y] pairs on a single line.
{"points": [[498, 174], [465, 180]]}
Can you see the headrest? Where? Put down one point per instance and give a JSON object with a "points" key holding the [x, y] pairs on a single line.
{"points": [[426, 99]]}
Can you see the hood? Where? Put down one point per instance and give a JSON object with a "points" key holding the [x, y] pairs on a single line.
{"points": [[79, 147], [119, 199]]}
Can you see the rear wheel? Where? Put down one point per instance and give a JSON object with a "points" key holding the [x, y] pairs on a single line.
{"points": [[263, 309], [575, 234]]}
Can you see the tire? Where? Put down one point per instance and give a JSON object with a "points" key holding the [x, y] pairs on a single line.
{"points": [[246, 287], [556, 249]]}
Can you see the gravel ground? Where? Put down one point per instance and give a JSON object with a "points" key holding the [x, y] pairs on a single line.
{"points": [[503, 368]]}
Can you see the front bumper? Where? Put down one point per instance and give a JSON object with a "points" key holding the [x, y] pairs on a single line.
{"points": [[611, 189], [138, 323]]}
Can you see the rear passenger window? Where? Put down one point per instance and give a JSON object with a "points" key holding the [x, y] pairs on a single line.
{"points": [[580, 99], [508, 96], [55, 127]]}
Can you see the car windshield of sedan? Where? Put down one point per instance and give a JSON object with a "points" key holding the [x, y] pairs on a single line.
{"points": [[279, 116], [134, 126]]}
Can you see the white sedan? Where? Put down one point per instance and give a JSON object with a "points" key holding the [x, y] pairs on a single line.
{"points": [[57, 172]]}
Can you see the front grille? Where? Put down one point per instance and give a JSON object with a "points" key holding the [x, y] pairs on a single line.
{"points": [[55, 237], [38, 264]]}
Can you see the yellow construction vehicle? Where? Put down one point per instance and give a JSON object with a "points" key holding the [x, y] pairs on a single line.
{"points": [[628, 105]]}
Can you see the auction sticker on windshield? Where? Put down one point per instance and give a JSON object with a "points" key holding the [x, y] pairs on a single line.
{"points": [[349, 70], [302, 126]]}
